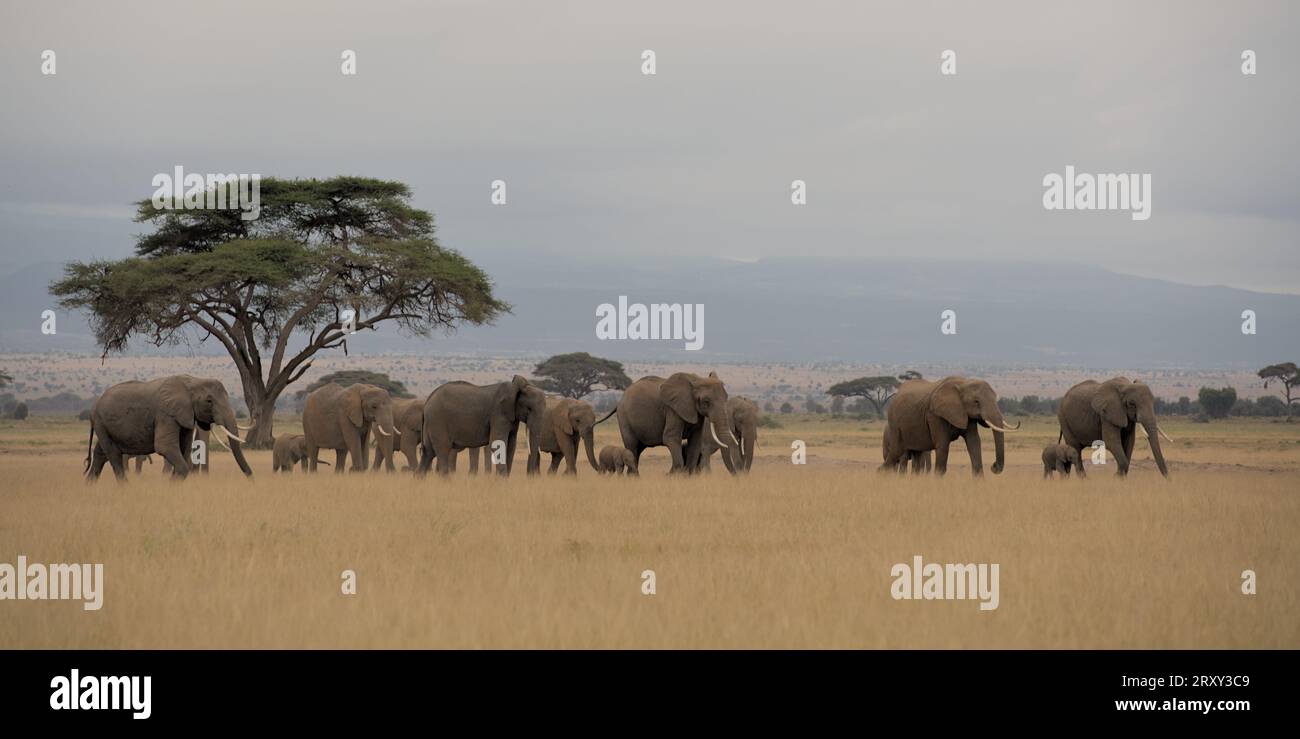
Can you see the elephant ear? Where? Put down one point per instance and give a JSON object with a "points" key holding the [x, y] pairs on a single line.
{"points": [[678, 393], [510, 395], [1107, 403], [352, 406], [174, 400], [564, 419], [945, 402], [412, 415]]}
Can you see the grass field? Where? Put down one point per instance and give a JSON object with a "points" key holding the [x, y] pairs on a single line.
{"points": [[788, 556]]}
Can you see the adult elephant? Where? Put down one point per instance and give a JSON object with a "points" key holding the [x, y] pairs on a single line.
{"points": [[658, 412], [408, 416], [460, 415], [926, 416], [1111, 411], [159, 417], [743, 416], [340, 418]]}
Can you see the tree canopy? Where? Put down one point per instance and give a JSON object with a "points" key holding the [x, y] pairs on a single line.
{"points": [[1285, 374], [579, 374], [875, 390], [345, 378], [1217, 403], [325, 258]]}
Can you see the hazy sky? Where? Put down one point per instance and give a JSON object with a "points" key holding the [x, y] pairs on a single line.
{"points": [[602, 162]]}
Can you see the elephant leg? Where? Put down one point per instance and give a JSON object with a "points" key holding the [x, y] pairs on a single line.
{"points": [[972, 434], [673, 440], [1110, 435], [443, 453], [313, 453], [512, 443], [97, 461], [941, 443], [568, 452], [340, 459], [1047, 471], [172, 442], [473, 461], [410, 450], [357, 443], [895, 457], [1128, 436], [556, 459]]}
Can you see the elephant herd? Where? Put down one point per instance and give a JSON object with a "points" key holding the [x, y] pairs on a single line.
{"points": [[926, 417], [691, 415]]}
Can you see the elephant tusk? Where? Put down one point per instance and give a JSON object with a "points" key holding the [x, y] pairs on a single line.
{"points": [[1162, 433], [216, 436], [380, 428], [995, 427], [716, 440], [244, 428], [233, 436]]}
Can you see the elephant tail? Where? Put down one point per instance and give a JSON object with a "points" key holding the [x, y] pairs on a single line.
{"points": [[90, 448], [606, 418], [321, 461], [1060, 437]]}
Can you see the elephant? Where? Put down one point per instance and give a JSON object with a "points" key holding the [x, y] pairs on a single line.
{"points": [[744, 417], [408, 415], [460, 415], [159, 417], [340, 418], [567, 421], [920, 460], [658, 412], [927, 415], [1111, 411], [1060, 458], [616, 459], [140, 459], [290, 450]]}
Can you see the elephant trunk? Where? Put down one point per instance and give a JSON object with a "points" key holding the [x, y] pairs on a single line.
{"points": [[236, 447], [1153, 438], [534, 444], [999, 451], [589, 440], [720, 426]]}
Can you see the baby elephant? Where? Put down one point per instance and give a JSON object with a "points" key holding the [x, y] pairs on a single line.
{"points": [[289, 450], [1060, 458], [617, 459]]}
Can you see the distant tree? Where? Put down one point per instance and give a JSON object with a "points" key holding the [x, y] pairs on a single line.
{"points": [[5, 379], [1270, 405], [837, 405], [1288, 376], [769, 407], [875, 390], [323, 259], [20, 412], [1217, 403], [1184, 406], [84, 415], [1031, 405], [910, 375], [787, 408], [578, 374], [1009, 406], [352, 377]]}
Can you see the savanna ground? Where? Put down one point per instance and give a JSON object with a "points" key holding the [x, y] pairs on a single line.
{"points": [[788, 556]]}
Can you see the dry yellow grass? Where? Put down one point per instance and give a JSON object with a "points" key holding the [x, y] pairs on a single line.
{"points": [[785, 557]]}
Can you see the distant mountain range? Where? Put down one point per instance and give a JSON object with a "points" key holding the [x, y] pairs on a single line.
{"points": [[816, 309]]}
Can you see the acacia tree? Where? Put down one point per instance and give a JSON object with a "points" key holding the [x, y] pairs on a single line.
{"points": [[875, 390], [326, 258], [1287, 375], [578, 374]]}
